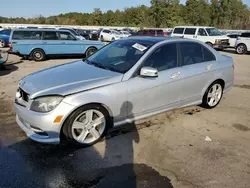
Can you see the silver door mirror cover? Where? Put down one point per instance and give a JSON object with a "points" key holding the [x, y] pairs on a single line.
{"points": [[149, 72]]}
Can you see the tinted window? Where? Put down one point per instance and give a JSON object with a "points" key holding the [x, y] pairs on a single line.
{"points": [[202, 32], [245, 35], [208, 55], [27, 35], [106, 31], [178, 30], [151, 32], [191, 53], [160, 32], [50, 35], [66, 36], [233, 36], [163, 58], [190, 31], [145, 32]]}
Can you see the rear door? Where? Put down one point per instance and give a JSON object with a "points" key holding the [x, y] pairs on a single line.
{"points": [[197, 70], [246, 37], [52, 44]]}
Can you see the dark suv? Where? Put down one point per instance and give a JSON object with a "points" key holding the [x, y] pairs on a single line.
{"points": [[150, 32]]}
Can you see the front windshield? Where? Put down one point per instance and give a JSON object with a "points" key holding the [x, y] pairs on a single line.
{"points": [[213, 32], [119, 56]]}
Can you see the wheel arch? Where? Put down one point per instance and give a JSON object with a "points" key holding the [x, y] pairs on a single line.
{"points": [[241, 44], [31, 51], [108, 110], [220, 80], [90, 47]]}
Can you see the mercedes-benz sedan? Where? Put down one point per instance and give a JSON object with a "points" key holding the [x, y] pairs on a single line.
{"points": [[127, 80]]}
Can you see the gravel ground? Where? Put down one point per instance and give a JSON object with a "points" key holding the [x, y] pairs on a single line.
{"points": [[167, 150]]}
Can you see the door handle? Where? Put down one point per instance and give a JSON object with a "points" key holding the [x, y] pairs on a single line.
{"points": [[175, 75]]}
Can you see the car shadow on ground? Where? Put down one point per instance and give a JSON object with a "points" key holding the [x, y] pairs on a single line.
{"points": [[30, 164], [7, 69]]}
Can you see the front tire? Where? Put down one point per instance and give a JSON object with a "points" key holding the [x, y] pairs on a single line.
{"points": [[86, 126], [213, 95], [241, 49], [90, 51], [209, 44], [38, 55]]}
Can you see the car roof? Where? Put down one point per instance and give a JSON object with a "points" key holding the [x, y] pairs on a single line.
{"points": [[40, 30], [153, 40], [194, 27]]}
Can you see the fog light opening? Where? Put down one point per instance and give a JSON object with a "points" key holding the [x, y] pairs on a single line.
{"points": [[38, 131]]}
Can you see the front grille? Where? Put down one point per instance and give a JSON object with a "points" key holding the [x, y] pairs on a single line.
{"points": [[24, 95]]}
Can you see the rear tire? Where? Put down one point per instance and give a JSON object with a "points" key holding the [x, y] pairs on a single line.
{"points": [[38, 55], [90, 51], [213, 95], [79, 128], [241, 49], [2, 43]]}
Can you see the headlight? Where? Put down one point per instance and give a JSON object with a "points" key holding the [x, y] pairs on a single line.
{"points": [[45, 104]]}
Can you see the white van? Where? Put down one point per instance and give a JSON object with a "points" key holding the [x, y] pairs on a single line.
{"points": [[209, 35]]}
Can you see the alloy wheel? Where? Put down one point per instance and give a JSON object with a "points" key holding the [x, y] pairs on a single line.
{"points": [[2, 43], [88, 126], [241, 49], [214, 95]]}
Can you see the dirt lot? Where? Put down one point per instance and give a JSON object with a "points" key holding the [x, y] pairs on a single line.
{"points": [[168, 147]]}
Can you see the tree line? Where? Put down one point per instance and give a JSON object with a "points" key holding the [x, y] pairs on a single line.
{"points": [[224, 14]]}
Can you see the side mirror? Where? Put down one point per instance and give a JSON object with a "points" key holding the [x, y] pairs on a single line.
{"points": [[148, 72]]}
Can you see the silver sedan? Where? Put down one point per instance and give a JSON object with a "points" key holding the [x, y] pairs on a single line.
{"points": [[127, 80]]}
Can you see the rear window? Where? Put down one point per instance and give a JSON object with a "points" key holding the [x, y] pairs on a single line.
{"points": [[27, 35], [5, 32], [178, 30], [190, 31]]}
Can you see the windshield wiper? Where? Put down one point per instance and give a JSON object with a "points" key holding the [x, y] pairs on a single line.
{"points": [[96, 64]]}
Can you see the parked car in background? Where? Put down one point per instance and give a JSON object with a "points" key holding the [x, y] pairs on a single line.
{"points": [[4, 37], [109, 89], [41, 43], [88, 34], [109, 35], [150, 32], [209, 35], [232, 39], [242, 44], [125, 33], [73, 31]]}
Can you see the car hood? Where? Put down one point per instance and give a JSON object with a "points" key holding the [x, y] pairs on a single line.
{"points": [[67, 79]]}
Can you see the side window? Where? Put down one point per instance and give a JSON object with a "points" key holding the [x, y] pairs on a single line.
{"points": [[66, 36], [245, 35], [191, 53], [50, 35], [190, 31], [178, 30], [163, 58], [202, 32], [208, 56], [27, 35], [145, 32], [151, 32]]}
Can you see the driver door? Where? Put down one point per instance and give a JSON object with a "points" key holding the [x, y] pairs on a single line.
{"points": [[150, 95]]}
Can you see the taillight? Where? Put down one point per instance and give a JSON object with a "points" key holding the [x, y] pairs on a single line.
{"points": [[10, 45], [233, 66]]}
